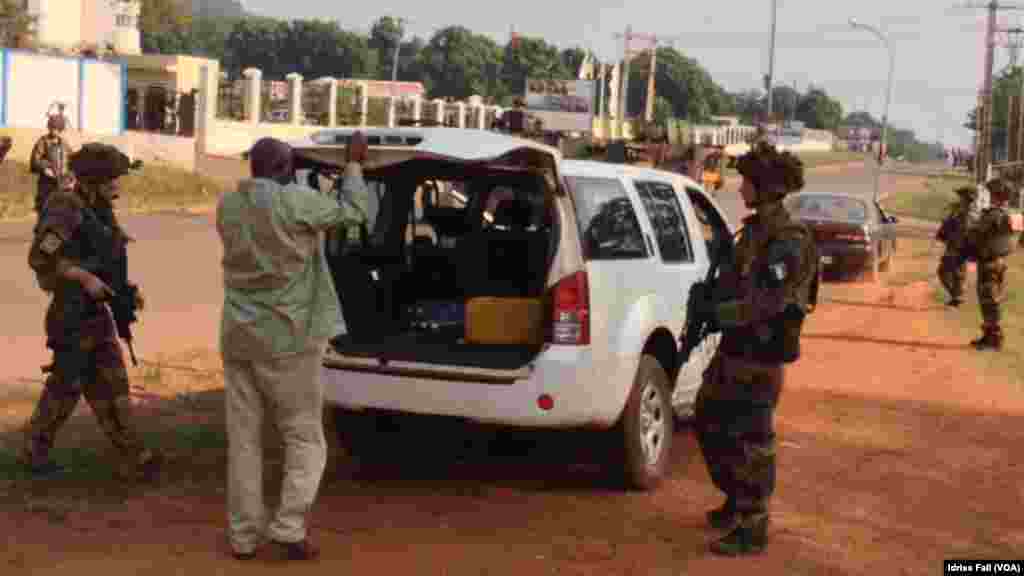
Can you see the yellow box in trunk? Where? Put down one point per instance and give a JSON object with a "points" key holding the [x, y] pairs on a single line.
{"points": [[504, 321]]}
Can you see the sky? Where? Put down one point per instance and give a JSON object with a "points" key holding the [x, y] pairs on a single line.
{"points": [[937, 45]]}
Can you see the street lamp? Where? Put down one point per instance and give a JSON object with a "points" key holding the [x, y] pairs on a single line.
{"points": [[885, 126], [888, 95]]}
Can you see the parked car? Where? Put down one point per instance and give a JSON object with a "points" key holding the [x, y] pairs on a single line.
{"points": [[558, 306], [847, 229]]}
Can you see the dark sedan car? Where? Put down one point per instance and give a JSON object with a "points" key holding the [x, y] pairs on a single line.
{"points": [[847, 229]]}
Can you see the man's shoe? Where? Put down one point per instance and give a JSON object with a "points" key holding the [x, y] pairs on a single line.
{"points": [[745, 539], [243, 556], [724, 517], [954, 302], [301, 550]]}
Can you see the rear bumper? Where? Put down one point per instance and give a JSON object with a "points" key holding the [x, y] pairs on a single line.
{"points": [[845, 255], [561, 372]]}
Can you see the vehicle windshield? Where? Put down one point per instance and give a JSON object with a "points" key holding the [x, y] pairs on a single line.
{"points": [[828, 207]]}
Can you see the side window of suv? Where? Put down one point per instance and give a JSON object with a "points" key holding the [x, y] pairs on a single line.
{"points": [[667, 219], [609, 229]]}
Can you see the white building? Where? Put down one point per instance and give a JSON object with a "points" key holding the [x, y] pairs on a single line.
{"points": [[69, 24]]}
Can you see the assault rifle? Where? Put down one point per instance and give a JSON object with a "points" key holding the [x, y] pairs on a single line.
{"points": [[701, 302]]}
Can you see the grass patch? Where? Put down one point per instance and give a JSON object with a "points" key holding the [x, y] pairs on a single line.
{"points": [[918, 260], [814, 159], [155, 187], [930, 202]]}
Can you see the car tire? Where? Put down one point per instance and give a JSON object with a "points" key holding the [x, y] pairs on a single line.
{"points": [[645, 428]]}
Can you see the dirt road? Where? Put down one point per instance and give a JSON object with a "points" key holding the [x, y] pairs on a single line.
{"points": [[894, 455]]}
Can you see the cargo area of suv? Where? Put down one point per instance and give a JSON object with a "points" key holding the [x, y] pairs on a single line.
{"points": [[454, 266]]}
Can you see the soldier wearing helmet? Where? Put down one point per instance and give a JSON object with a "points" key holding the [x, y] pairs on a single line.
{"points": [[952, 269], [76, 242], [49, 158], [992, 239], [759, 304]]}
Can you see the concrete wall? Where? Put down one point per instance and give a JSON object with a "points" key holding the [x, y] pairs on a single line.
{"points": [[59, 22], [227, 138], [92, 90], [149, 147]]}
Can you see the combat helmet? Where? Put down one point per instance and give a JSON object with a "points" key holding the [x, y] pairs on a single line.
{"points": [[96, 162], [772, 173]]}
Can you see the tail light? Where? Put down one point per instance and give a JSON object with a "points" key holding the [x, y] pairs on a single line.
{"points": [[570, 307], [859, 237]]}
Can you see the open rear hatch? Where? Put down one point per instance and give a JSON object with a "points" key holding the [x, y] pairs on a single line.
{"points": [[453, 280]]}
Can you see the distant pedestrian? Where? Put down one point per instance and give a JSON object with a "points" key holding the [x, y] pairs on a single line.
{"points": [[50, 156], [952, 270]]}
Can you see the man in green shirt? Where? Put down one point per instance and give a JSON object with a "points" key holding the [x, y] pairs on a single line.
{"points": [[280, 308]]}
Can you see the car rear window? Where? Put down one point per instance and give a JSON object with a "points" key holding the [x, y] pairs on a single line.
{"points": [[609, 229], [829, 207]]}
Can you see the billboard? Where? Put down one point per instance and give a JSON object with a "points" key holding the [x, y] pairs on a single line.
{"points": [[566, 105]]}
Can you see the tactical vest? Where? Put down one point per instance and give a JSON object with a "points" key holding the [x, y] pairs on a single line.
{"points": [[1001, 240], [777, 340]]}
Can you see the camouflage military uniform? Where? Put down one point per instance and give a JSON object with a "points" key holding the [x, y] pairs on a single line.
{"points": [[992, 239], [104, 378], [952, 269], [769, 290], [44, 156]]}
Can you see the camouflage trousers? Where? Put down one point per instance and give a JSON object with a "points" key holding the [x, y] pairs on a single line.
{"points": [[992, 292], [952, 273], [105, 385], [734, 411]]}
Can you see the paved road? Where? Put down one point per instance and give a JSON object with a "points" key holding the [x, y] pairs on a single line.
{"points": [[176, 262]]}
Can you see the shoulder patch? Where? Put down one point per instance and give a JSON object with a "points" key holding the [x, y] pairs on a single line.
{"points": [[50, 243]]}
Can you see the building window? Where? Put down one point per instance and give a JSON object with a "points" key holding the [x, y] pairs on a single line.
{"points": [[125, 21]]}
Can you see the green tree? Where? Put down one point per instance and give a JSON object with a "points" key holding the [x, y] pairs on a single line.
{"points": [[532, 58], [18, 26], [386, 33], [456, 62], [684, 83], [818, 111]]}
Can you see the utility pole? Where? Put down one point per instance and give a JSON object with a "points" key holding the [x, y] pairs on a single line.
{"points": [[654, 42], [1015, 126], [771, 61], [983, 119]]}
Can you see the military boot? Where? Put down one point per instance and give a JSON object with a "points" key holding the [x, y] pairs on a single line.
{"points": [[724, 517], [36, 458], [991, 339], [750, 536], [954, 302]]}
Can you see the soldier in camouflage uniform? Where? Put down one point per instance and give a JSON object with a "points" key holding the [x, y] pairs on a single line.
{"points": [[99, 369], [991, 240], [764, 298], [952, 270], [49, 160]]}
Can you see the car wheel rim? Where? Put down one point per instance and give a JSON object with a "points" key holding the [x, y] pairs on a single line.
{"points": [[652, 423]]}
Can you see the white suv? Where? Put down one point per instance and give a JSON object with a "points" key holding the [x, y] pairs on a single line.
{"points": [[608, 252]]}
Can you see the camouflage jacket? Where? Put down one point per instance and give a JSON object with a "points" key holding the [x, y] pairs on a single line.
{"points": [[776, 270], [994, 235], [55, 239], [952, 232], [41, 160]]}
